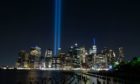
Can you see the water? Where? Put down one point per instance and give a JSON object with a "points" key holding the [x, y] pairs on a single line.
{"points": [[34, 77], [55, 77]]}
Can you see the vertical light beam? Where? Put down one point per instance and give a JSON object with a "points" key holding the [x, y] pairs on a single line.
{"points": [[57, 26], [94, 41]]}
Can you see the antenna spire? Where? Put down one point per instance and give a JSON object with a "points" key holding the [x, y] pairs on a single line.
{"points": [[94, 41]]}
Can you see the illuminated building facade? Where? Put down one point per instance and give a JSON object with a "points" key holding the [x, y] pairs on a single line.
{"points": [[67, 61], [100, 61], [23, 59], [20, 60], [121, 54], [35, 55], [56, 62], [48, 58], [105, 59], [75, 54]]}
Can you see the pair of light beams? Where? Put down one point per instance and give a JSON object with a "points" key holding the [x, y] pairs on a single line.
{"points": [[57, 26]]}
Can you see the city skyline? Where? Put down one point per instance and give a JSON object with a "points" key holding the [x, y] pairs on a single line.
{"points": [[30, 23], [75, 57]]}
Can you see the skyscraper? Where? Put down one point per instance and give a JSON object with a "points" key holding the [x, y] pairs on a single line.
{"points": [[23, 59], [35, 55], [121, 54], [48, 58], [94, 48]]}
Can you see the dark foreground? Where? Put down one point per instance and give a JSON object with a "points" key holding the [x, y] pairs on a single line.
{"points": [[60, 77], [34, 77]]}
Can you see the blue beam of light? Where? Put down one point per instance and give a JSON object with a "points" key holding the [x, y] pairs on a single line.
{"points": [[55, 29], [57, 26], [94, 41]]}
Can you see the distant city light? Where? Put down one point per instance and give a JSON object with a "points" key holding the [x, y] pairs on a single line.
{"points": [[76, 44], [110, 67]]}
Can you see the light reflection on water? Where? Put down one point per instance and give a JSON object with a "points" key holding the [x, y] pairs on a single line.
{"points": [[36, 77], [53, 77], [46, 77]]}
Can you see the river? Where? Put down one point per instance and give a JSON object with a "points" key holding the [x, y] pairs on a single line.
{"points": [[55, 77]]}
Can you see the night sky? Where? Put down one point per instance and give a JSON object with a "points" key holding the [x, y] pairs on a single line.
{"points": [[27, 23]]}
